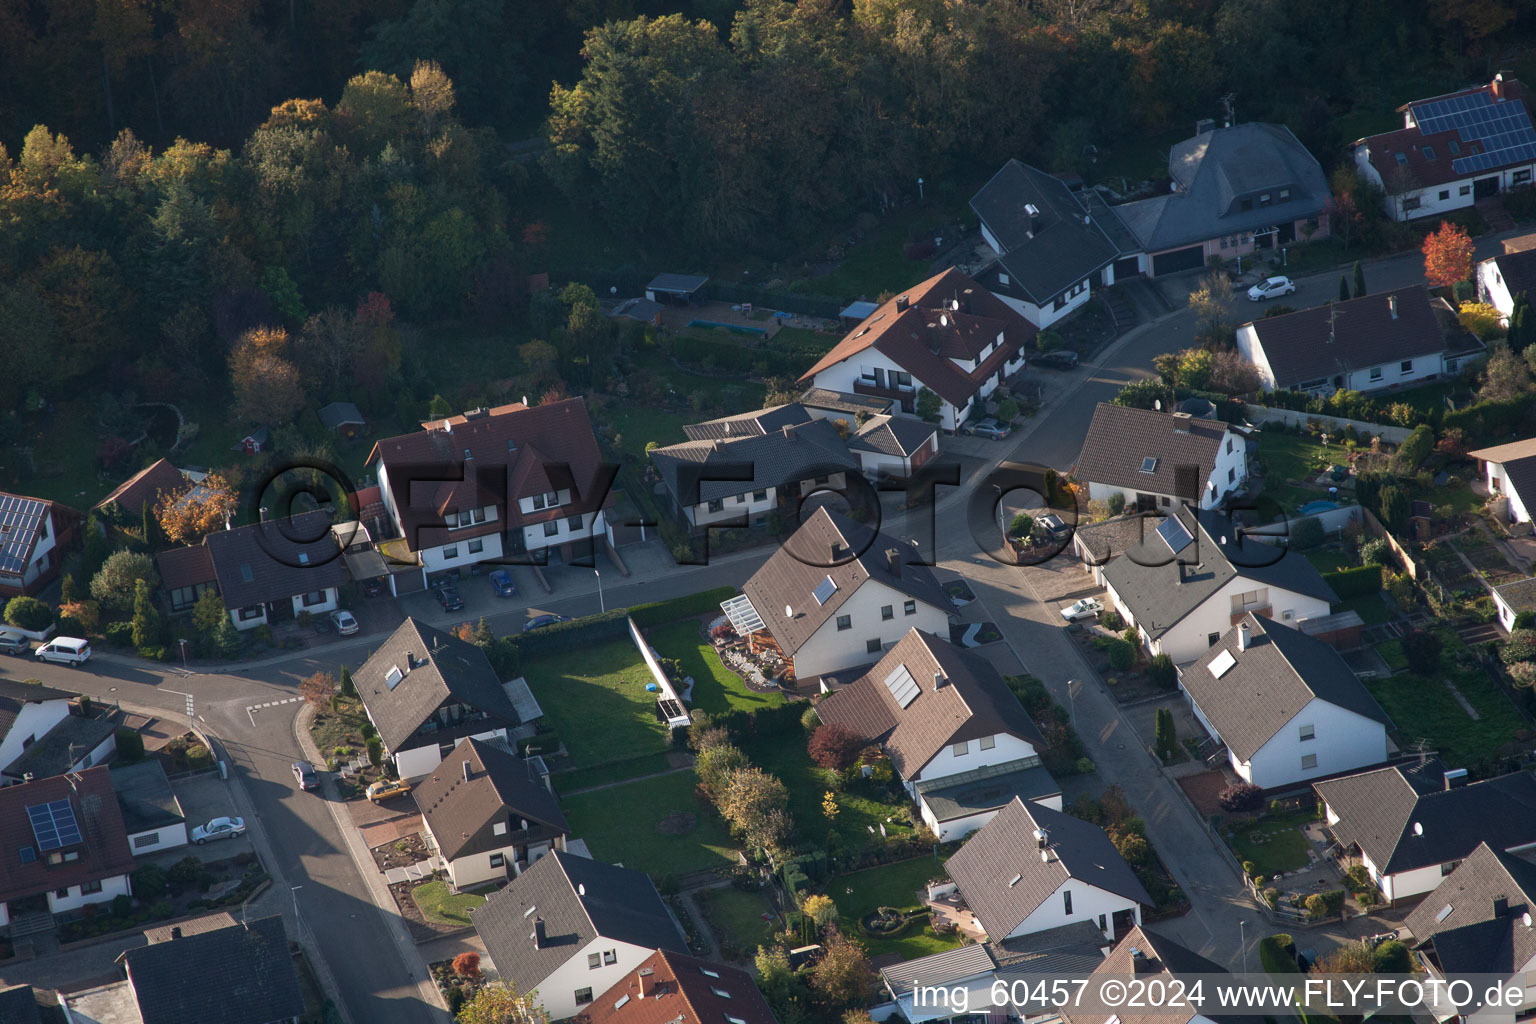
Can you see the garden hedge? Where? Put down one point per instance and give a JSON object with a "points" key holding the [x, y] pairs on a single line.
{"points": [[658, 613], [508, 651], [1355, 582]]}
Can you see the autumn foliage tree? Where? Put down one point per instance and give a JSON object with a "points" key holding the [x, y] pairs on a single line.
{"points": [[467, 965], [317, 689], [185, 517], [1447, 255], [834, 746], [842, 977], [268, 388]]}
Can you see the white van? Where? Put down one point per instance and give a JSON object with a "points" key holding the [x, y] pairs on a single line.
{"points": [[65, 650]]}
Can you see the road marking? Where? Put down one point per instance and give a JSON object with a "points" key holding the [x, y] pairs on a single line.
{"points": [[251, 709]]}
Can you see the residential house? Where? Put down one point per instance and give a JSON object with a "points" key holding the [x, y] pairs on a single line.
{"points": [[1193, 577], [1481, 919], [31, 532], [1287, 706], [1237, 190], [676, 289], [893, 447], [146, 487], [1500, 279], [948, 334], [1153, 459], [1386, 340], [185, 575], [343, 419], [490, 813], [1412, 824], [958, 984], [570, 927], [491, 484], [27, 712], [1098, 544], [256, 441], [85, 736], [1030, 869], [1452, 150], [424, 690], [1050, 249], [740, 479], [1510, 470], [152, 815], [1164, 965], [241, 974], [958, 738], [837, 595], [66, 845], [281, 567], [1510, 599], [671, 988], [839, 405]]}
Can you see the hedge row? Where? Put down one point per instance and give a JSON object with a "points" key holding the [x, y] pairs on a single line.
{"points": [[771, 720], [659, 613], [508, 652], [1356, 582]]}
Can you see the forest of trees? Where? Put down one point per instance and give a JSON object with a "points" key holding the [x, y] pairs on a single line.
{"points": [[174, 173]]}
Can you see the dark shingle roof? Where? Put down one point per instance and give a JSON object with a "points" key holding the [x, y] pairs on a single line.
{"points": [[576, 900], [1120, 439], [792, 453], [21, 521], [104, 847], [57, 750], [435, 666], [1364, 334], [276, 559], [792, 573], [681, 284], [744, 424], [15, 695], [145, 796], [1215, 172], [502, 787], [1282, 670], [146, 486], [1067, 246], [944, 968], [1005, 847], [892, 435], [1147, 580], [340, 414], [927, 336], [1161, 958], [680, 989], [1469, 938], [19, 1006], [1518, 269], [239, 975], [1378, 811], [185, 567], [1519, 461], [972, 702]]}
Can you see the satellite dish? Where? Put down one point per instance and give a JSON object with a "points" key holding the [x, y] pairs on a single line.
{"points": [[581, 890], [1418, 828], [954, 304], [943, 320], [1157, 403], [789, 612], [1525, 919]]}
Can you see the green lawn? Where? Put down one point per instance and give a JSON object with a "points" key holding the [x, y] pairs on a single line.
{"points": [[1391, 652], [621, 825], [1274, 845], [859, 817], [877, 264], [596, 701], [897, 885], [1372, 609], [803, 338], [1327, 560], [715, 689], [1423, 708], [739, 916], [574, 779], [441, 905], [1289, 461]]}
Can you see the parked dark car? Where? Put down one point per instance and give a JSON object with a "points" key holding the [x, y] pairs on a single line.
{"points": [[442, 579], [450, 599], [540, 621], [501, 582], [1061, 359]]}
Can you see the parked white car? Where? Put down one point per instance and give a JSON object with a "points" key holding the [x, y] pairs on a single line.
{"points": [[343, 622], [218, 828], [1085, 608], [64, 650], [1271, 288]]}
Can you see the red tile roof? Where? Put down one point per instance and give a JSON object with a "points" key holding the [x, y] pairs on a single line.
{"points": [[1410, 142], [146, 486], [103, 853], [928, 334], [680, 989], [185, 567]]}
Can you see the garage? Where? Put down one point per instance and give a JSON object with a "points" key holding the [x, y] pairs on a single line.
{"points": [[1192, 258], [1126, 267]]}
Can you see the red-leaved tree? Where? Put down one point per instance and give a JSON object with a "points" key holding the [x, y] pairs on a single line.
{"points": [[467, 965], [834, 746], [1447, 255]]}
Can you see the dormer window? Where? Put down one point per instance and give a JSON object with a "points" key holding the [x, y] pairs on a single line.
{"points": [[1264, 199], [1285, 194], [1402, 159], [1429, 152], [1453, 146]]}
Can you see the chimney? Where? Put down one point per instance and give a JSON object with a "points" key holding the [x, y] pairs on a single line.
{"points": [[1500, 906], [468, 772], [1140, 962], [1034, 218], [1205, 124], [902, 302], [1455, 778], [1392, 305], [1181, 422], [1497, 86], [538, 933], [836, 551], [175, 932], [893, 561], [643, 978], [1181, 572], [938, 680], [1243, 637], [789, 431]]}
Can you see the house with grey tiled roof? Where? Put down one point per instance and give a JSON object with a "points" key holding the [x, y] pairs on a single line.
{"points": [[242, 974], [1410, 825], [569, 928], [424, 690], [1162, 964], [1030, 869], [1286, 706], [959, 739], [489, 813], [893, 447], [837, 595], [725, 478], [28, 711], [1481, 919], [1194, 575], [1153, 459]]}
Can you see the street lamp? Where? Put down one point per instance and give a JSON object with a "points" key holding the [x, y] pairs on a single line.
{"points": [[920, 189], [601, 606], [1242, 931], [183, 644]]}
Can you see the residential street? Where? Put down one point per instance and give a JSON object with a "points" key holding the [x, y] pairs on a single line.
{"points": [[381, 979]]}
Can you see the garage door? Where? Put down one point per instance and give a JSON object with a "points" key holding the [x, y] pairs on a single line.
{"points": [[1192, 258], [1127, 267]]}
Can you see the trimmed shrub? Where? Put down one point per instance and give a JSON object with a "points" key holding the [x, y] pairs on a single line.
{"points": [[28, 613], [659, 613], [120, 634], [1306, 534], [1375, 552], [1521, 646], [130, 747], [1121, 655], [1161, 672], [1240, 797], [1111, 620], [1356, 582], [1422, 649]]}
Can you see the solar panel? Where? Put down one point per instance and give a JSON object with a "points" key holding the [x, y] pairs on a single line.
{"points": [[54, 825], [1174, 535], [902, 686], [1222, 664], [824, 591], [1503, 130]]}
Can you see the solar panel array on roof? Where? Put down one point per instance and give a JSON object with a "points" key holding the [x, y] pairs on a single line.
{"points": [[20, 519], [54, 825], [1503, 129], [824, 591], [1174, 535], [902, 686]]}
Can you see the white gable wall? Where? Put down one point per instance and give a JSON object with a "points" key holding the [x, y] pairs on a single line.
{"points": [[830, 649], [414, 762], [1498, 481], [32, 723], [558, 991], [1046, 315], [1088, 902], [1342, 741], [958, 828], [1190, 637], [1492, 288], [1005, 748]]}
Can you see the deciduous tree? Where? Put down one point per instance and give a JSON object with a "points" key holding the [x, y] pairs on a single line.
{"points": [[842, 977], [186, 516], [267, 385], [500, 1003], [1448, 255], [114, 585], [834, 746], [1505, 376], [317, 689]]}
